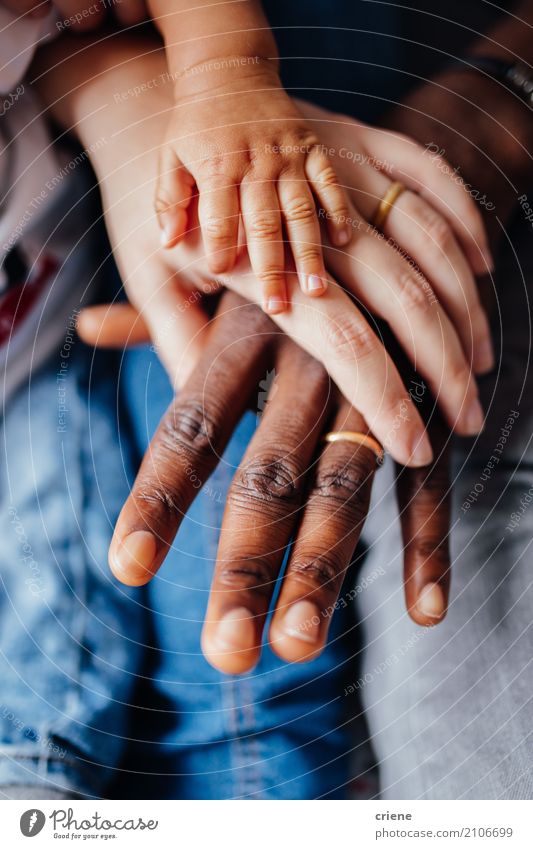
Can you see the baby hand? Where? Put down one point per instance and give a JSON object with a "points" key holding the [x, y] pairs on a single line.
{"points": [[235, 134]]}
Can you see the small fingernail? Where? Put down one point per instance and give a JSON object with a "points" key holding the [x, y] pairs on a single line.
{"points": [[316, 283], [343, 236], [422, 453], [236, 630], [135, 556], [274, 305], [302, 622], [473, 418], [431, 601], [485, 356]]}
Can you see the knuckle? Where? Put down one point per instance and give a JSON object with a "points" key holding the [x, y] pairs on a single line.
{"points": [[269, 478], [218, 229], [326, 177], [212, 166], [250, 572], [300, 210], [322, 570], [191, 428], [343, 482], [431, 548], [349, 339], [306, 253], [270, 275], [437, 229], [264, 227], [411, 293], [160, 498]]}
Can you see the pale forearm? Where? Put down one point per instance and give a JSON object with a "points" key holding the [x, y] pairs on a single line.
{"points": [[205, 32], [98, 89]]}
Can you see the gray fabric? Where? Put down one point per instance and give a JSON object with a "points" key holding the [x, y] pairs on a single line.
{"points": [[450, 708]]}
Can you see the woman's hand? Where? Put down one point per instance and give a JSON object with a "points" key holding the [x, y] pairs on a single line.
{"points": [[331, 328], [288, 486], [434, 222]]}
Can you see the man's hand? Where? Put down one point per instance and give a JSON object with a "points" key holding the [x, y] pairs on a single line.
{"points": [[289, 485]]}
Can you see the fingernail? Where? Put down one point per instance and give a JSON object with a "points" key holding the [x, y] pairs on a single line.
{"points": [[236, 630], [485, 356], [422, 453], [135, 556], [473, 418], [431, 601], [343, 236], [302, 622], [274, 305], [315, 283]]}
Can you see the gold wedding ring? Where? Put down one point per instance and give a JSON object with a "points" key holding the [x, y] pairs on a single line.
{"points": [[359, 439], [386, 203]]}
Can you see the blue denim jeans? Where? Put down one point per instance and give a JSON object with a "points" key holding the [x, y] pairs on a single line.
{"points": [[71, 638]]}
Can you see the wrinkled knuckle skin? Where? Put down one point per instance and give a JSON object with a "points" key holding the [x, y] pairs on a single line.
{"points": [[344, 483], [251, 573], [322, 571], [349, 339], [219, 230], [160, 498], [411, 293], [192, 430], [437, 230], [268, 479], [306, 254], [434, 549], [212, 166], [264, 227], [268, 276], [300, 210], [326, 177]]}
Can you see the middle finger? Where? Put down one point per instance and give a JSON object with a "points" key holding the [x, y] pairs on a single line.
{"points": [[261, 511]]}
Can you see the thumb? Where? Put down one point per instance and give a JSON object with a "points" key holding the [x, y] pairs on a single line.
{"points": [[172, 197]]}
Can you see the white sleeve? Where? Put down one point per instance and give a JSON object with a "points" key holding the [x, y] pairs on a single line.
{"points": [[19, 39]]}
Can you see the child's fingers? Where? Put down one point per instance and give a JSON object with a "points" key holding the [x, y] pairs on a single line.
{"points": [[262, 225], [172, 197], [218, 213], [303, 229], [330, 194]]}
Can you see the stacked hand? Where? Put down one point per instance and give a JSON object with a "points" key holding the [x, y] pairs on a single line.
{"points": [[224, 359]]}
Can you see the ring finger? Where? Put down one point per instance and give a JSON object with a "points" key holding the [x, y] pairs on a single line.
{"points": [[334, 515], [424, 234]]}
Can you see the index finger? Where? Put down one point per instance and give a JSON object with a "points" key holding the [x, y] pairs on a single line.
{"points": [[187, 445]]}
